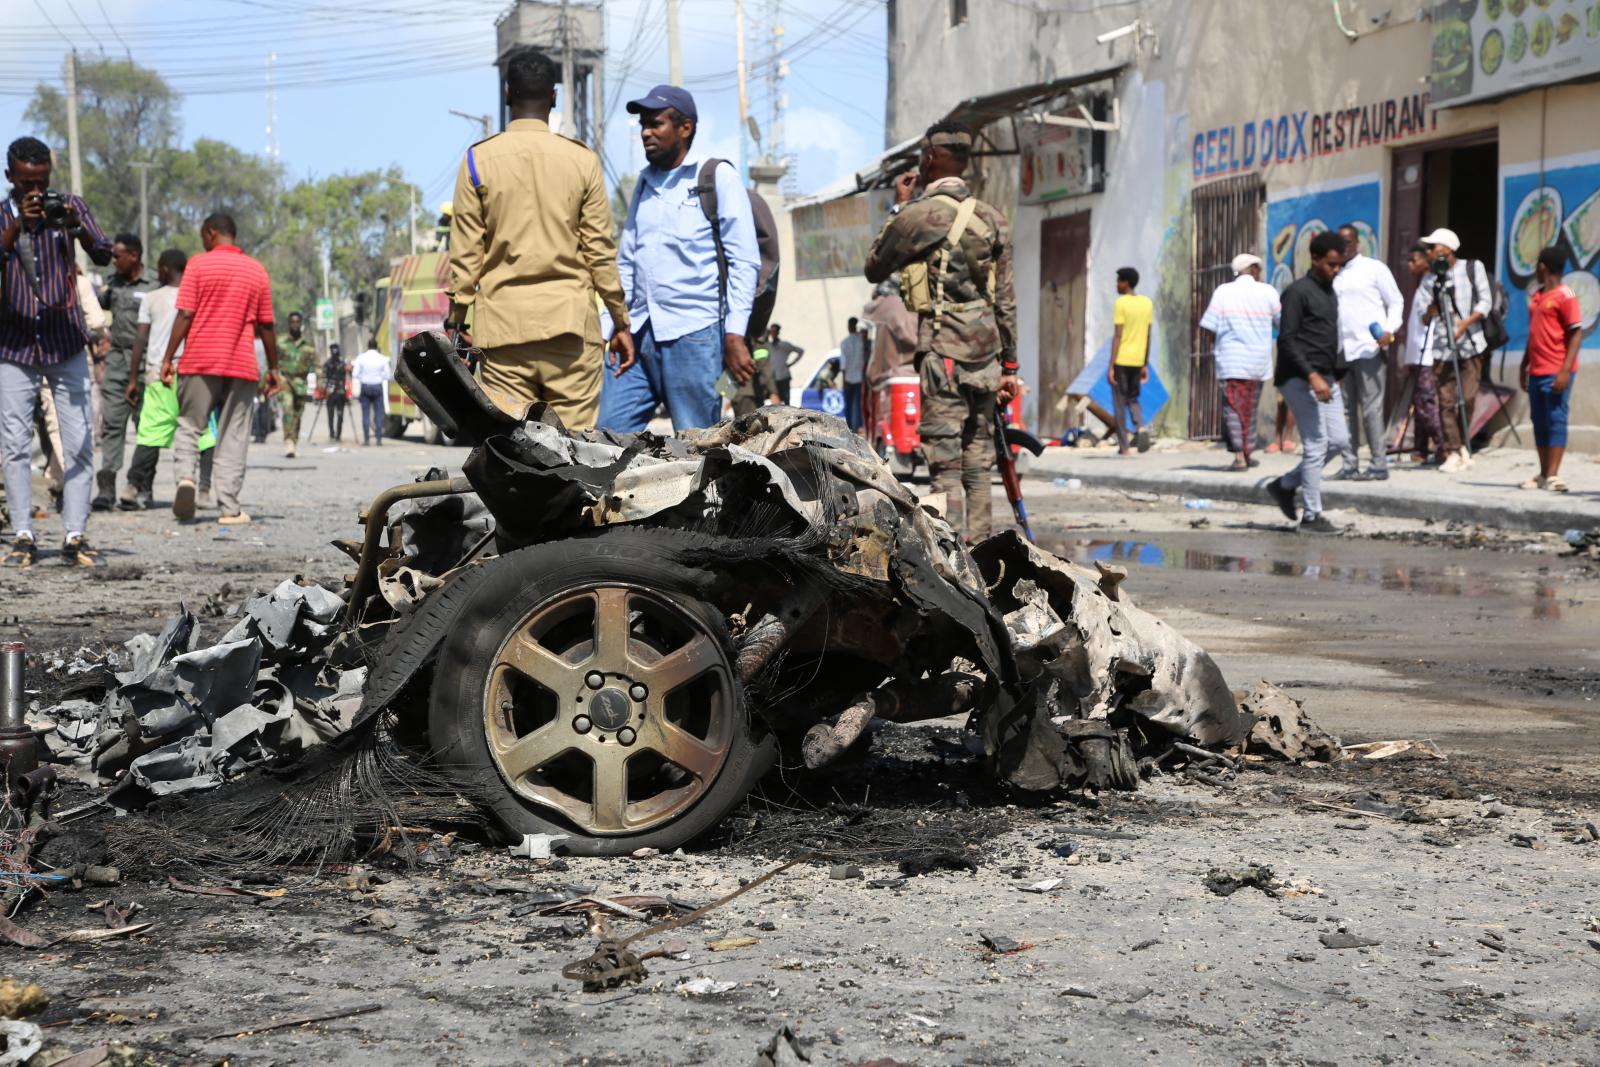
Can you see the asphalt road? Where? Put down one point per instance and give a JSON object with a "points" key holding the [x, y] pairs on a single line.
{"points": [[1485, 951]]}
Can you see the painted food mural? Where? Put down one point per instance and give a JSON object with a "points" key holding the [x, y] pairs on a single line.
{"points": [[1292, 223], [1564, 211], [1534, 225]]}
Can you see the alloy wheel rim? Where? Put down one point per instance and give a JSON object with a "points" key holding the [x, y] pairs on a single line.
{"points": [[610, 707]]}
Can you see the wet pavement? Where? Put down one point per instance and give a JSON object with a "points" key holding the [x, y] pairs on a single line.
{"points": [[1383, 639]]}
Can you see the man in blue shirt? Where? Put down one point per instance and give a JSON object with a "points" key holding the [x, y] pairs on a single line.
{"points": [[685, 328]]}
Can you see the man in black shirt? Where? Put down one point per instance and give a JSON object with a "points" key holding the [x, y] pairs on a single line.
{"points": [[1308, 373]]}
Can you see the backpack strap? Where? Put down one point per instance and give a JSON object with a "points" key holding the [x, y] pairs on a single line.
{"points": [[964, 211], [706, 190]]}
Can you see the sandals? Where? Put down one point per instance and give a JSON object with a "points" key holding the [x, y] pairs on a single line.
{"points": [[1555, 484], [1536, 482]]}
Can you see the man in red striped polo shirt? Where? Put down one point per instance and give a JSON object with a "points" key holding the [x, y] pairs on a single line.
{"points": [[224, 304]]}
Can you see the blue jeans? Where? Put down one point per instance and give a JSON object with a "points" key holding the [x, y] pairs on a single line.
{"points": [[852, 405], [681, 373], [372, 414], [1548, 409], [69, 384], [1323, 433]]}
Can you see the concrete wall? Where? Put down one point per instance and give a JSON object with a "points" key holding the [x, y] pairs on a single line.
{"points": [[1199, 85], [813, 313]]}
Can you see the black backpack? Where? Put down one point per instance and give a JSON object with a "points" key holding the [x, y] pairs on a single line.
{"points": [[1494, 323], [766, 243]]}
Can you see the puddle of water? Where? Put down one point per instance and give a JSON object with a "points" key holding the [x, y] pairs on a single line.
{"points": [[1353, 563]]}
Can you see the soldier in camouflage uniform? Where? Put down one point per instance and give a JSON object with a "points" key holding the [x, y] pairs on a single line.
{"points": [[954, 255], [297, 357]]}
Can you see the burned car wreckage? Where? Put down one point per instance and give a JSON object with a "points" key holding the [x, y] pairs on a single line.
{"points": [[613, 638]]}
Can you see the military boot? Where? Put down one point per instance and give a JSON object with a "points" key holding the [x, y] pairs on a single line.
{"points": [[106, 497]]}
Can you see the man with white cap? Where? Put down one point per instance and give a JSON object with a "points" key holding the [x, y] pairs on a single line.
{"points": [[1456, 351], [1370, 312], [1242, 314]]}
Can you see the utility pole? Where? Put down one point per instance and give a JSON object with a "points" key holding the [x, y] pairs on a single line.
{"points": [[569, 77], [486, 121], [744, 97], [272, 110], [74, 153], [674, 47], [144, 201], [413, 219]]}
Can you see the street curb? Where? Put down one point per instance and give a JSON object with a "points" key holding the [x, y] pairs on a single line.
{"points": [[1547, 512]]}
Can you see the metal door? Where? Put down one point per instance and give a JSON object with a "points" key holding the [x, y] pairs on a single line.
{"points": [[1229, 217], [1063, 288]]}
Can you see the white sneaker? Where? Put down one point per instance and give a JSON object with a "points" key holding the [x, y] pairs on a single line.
{"points": [[1453, 464]]}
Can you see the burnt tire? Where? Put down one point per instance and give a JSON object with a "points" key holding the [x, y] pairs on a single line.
{"points": [[539, 689]]}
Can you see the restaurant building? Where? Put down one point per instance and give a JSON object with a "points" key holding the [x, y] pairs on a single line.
{"points": [[1170, 136]]}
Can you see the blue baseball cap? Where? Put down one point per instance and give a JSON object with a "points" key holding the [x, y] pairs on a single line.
{"points": [[665, 96]]}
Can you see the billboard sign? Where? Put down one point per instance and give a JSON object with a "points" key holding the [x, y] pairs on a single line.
{"points": [[1488, 48]]}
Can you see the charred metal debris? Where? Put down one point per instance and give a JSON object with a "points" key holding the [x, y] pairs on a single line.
{"points": [[614, 637]]}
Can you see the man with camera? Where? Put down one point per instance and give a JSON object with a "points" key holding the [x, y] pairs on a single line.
{"points": [[42, 340], [1458, 337]]}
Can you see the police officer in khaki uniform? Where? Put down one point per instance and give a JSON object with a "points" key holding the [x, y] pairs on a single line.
{"points": [[530, 243], [954, 255]]}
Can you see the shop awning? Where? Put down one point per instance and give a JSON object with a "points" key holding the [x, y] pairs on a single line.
{"points": [[977, 112]]}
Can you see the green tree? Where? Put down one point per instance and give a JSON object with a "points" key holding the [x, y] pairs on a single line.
{"points": [[126, 113], [621, 197]]}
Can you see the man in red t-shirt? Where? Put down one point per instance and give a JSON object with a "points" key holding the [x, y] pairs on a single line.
{"points": [[1549, 364], [224, 304]]}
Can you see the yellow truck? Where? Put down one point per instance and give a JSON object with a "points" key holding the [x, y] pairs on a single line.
{"points": [[411, 299]]}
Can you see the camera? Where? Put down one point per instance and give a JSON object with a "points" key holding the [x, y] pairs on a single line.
{"points": [[54, 206], [1440, 266]]}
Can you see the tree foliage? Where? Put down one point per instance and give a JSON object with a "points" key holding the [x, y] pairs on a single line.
{"points": [[127, 113]]}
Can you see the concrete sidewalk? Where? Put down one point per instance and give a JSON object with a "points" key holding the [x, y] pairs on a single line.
{"points": [[1487, 493]]}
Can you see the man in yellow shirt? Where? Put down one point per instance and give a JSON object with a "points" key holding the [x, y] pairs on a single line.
{"points": [[530, 245], [1133, 316]]}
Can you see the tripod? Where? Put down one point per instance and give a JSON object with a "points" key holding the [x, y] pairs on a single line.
{"points": [[1444, 298]]}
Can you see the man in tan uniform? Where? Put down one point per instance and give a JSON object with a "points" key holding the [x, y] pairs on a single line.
{"points": [[530, 243]]}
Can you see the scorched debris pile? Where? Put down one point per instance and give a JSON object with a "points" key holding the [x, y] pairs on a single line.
{"points": [[614, 637]]}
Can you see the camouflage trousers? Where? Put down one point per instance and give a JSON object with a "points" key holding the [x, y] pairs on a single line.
{"points": [[957, 430], [292, 405]]}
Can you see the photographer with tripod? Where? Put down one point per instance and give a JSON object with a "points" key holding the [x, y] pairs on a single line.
{"points": [[1457, 299], [43, 339]]}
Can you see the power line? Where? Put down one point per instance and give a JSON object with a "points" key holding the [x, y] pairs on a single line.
{"points": [[85, 26], [52, 23], [113, 26]]}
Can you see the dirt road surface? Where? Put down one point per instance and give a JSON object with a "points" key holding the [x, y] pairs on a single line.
{"points": [[1481, 950]]}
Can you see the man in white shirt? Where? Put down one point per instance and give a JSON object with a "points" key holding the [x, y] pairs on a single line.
{"points": [[371, 375], [1456, 352], [1370, 312], [1243, 314]]}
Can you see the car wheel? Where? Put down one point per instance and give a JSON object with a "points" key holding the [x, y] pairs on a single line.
{"points": [[587, 690]]}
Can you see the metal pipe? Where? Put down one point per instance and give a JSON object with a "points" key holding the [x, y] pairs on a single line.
{"points": [[12, 657], [17, 748], [376, 518]]}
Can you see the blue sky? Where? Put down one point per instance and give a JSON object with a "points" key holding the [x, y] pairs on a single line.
{"points": [[366, 83]]}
